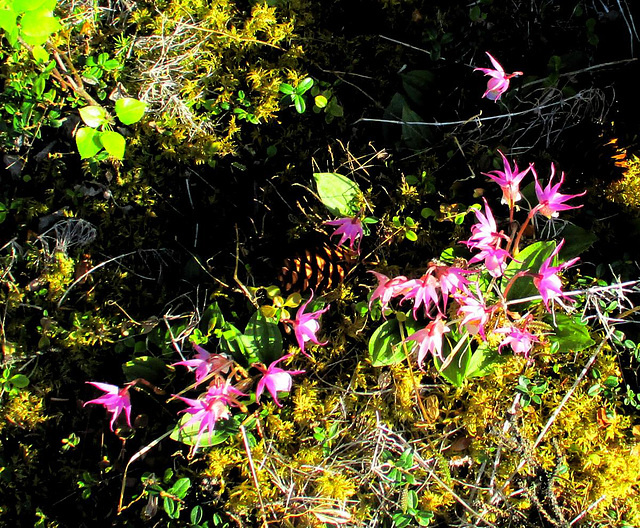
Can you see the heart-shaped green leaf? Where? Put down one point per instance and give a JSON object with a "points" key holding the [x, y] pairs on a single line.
{"points": [[88, 142], [113, 143], [130, 110]]}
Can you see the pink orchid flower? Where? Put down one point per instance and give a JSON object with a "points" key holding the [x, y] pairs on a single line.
{"points": [[509, 181], [485, 234], [210, 408], [495, 260], [520, 340], [550, 200], [429, 339], [547, 281], [306, 325], [387, 289], [275, 380], [452, 282], [115, 400], [350, 229], [204, 363], [423, 291], [475, 314], [499, 82]]}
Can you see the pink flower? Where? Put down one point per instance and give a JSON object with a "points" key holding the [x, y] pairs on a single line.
{"points": [[424, 291], [204, 363], [275, 380], [547, 281], [509, 181], [210, 408], [350, 229], [452, 281], [387, 288], [115, 400], [476, 314], [550, 200], [495, 260], [429, 339], [499, 82], [485, 234], [306, 325], [520, 340]]}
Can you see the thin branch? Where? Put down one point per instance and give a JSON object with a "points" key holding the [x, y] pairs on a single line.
{"points": [[475, 118]]}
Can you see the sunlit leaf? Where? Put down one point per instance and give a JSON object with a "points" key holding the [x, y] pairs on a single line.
{"points": [[130, 110], [93, 116], [88, 142], [338, 193], [571, 335], [529, 259], [114, 143], [264, 338]]}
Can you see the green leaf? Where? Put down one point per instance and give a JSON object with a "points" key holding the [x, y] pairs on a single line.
{"points": [[338, 193], [411, 235], [334, 108], [40, 54], [150, 368], [37, 26], [113, 142], [529, 259], [571, 335], [3, 212], [416, 85], [577, 241], [189, 434], [304, 85], [180, 488], [456, 371], [94, 116], [423, 518], [384, 345], [19, 380], [412, 500], [231, 343], [8, 20], [298, 102], [320, 101], [264, 338], [196, 514], [428, 213], [88, 142], [400, 520], [483, 360], [287, 89], [27, 5], [130, 110], [169, 506], [415, 136]]}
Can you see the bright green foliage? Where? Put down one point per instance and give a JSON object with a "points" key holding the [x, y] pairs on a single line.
{"points": [[295, 94], [339, 194], [28, 103], [11, 382], [97, 135], [30, 22]]}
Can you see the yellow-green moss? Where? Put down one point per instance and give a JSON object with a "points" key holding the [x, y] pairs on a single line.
{"points": [[24, 410]]}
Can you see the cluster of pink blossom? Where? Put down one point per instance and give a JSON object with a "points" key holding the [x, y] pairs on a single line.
{"points": [[439, 283], [215, 404], [432, 292]]}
